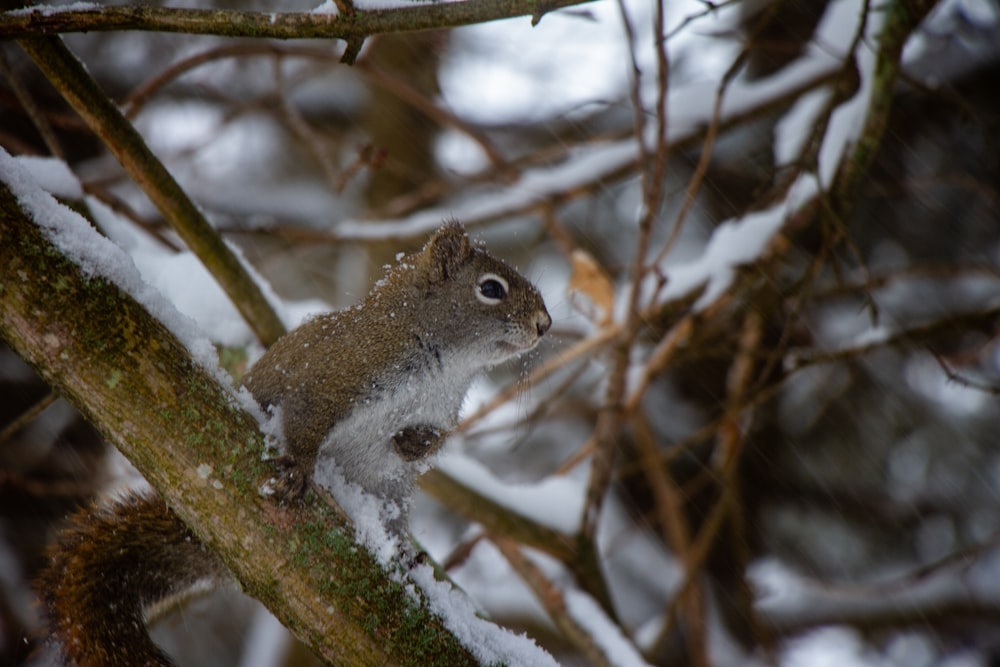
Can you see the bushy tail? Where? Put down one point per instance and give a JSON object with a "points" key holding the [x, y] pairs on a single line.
{"points": [[107, 567]]}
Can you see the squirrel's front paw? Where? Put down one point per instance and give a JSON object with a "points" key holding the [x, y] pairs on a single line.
{"points": [[290, 484], [417, 442], [419, 558]]}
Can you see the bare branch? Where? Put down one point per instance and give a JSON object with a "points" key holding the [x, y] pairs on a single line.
{"points": [[553, 600], [902, 18], [351, 27]]}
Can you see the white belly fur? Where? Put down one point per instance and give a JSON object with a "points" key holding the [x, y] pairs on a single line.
{"points": [[360, 446]]}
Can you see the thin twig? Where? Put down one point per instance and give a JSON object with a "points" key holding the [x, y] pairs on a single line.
{"points": [[140, 96], [710, 8], [704, 159], [27, 416], [33, 111], [676, 531], [551, 598], [954, 376], [584, 349], [872, 283], [986, 317], [419, 101], [123, 208], [611, 415], [307, 137]]}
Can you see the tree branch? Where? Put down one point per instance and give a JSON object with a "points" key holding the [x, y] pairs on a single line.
{"points": [[903, 17], [186, 433], [572, 551], [294, 25]]}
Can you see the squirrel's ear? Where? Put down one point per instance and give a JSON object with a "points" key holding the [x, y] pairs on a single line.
{"points": [[446, 252]]}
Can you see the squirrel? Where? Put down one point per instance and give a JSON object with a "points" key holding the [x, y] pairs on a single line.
{"points": [[374, 388]]}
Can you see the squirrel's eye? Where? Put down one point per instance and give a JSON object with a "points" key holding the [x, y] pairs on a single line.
{"points": [[492, 289]]}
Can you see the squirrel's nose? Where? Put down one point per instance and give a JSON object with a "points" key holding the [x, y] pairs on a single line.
{"points": [[542, 322]]}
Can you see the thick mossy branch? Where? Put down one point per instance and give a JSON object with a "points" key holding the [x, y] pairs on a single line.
{"points": [[75, 84], [232, 23], [188, 435]]}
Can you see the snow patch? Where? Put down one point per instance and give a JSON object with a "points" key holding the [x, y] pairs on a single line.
{"points": [[488, 642], [53, 175], [49, 10], [328, 8], [733, 244], [840, 23], [796, 127], [556, 502], [98, 256], [608, 636]]}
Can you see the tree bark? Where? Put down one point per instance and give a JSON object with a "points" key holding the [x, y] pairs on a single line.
{"points": [[352, 27]]}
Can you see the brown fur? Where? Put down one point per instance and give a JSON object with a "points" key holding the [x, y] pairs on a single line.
{"points": [[103, 573], [422, 324]]}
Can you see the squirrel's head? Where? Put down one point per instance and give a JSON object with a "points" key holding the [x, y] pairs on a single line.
{"points": [[481, 305]]}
